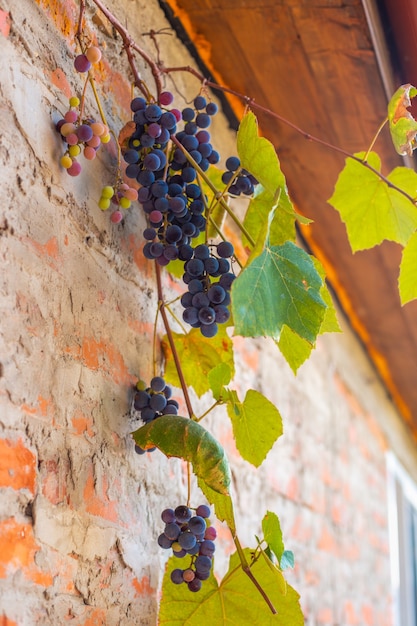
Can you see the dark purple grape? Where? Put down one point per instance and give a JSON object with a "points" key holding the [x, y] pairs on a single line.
{"points": [[168, 516], [172, 530], [164, 542], [216, 294], [176, 576], [232, 163], [203, 563], [158, 402], [153, 112], [206, 315], [190, 315], [197, 525], [195, 585], [183, 514], [209, 330], [225, 249], [212, 108], [222, 314], [200, 102], [187, 540], [188, 114], [207, 548], [203, 510], [138, 104]]}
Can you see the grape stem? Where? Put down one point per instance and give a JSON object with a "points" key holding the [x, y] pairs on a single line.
{"points": [[161, 306], [220, 199]]}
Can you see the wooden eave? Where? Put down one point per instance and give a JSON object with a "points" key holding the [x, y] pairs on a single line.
{"points": [[316, 63]]}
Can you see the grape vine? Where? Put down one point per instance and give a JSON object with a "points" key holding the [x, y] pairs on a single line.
{"points": [[168, 165]]}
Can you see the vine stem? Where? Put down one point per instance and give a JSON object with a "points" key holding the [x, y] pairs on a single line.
{"points": [[254, 105], [247, 570], [171, 341], [158, 70], [130, 45]]}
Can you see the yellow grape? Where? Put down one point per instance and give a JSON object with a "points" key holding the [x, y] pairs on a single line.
{"points": [[66, 161], [107, 192], [74, 150], [124, 203], [104, 203]]}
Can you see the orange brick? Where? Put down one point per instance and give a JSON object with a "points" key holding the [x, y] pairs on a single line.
{"points": [[59, 79], [17, 465], [63, 13], [102, 355], [17, 552], [99, 503], [4, 23], [143, 586], [6, 621]]}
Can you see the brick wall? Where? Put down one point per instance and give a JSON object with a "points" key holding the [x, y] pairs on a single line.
{"points": [[79, 510]]}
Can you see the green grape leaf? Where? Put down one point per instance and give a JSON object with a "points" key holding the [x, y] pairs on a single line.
{"points": [[330, 323], [271, 529], [252, 441], [371, 210], [402, 125], [233, 602], [282, 228], [294, 348], [223, 505], [258, 156], [280, 286], [407, 281], [198, 355], [183, 438], [287, 560], [218, 378]]}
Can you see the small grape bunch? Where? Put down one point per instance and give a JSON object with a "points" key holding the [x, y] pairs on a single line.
{"points": [[152, 402], [188, 534], [120, 196], [242, 182], [82, 136], [206, 301]]}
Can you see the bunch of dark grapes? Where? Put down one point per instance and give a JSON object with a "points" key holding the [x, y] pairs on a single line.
{"points": [[242, 182], [188, 534], [206, 301], [168, 193], [153, 401]]}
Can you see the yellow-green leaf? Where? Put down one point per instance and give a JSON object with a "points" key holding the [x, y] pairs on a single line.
{"points": [[252, 441], [198, 356], [233, 602], [407, 281], [371, 209]]}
